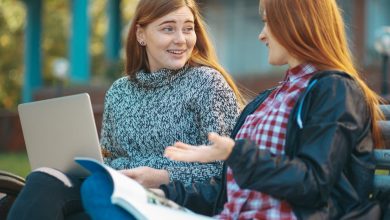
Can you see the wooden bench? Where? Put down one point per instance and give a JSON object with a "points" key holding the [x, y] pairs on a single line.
{"points": [[382, 156], [382, 177], [10, 186]]}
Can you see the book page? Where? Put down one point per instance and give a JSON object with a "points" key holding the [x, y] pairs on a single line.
{"points": [[137, 200]]}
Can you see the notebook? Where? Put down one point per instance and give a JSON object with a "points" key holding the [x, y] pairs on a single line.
{"points": [[59, 129]]}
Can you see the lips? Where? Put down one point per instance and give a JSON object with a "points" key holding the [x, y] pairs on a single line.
{"points": [[176, 52]]}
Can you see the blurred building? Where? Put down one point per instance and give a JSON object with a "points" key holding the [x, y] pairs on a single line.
{"points": [[235, 26]]}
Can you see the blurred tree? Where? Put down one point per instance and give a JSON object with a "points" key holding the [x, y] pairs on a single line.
{"points": [[102, 69], [12, 16], [55, 36]]}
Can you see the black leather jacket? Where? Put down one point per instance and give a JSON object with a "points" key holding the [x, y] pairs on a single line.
{"points": [[328, 169]]}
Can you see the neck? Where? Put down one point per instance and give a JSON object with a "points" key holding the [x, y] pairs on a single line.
{"points": [[292, 62]]}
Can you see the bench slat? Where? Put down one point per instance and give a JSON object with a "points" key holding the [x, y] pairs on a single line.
{"points": [[385, 129], [386, 111], [382, 158], [382, 182]]}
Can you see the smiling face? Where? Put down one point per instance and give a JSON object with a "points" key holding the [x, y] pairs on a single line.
{"points": [[277, 55], [169, 40]]}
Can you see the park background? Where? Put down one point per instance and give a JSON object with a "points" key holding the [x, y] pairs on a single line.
{"points": [[50, 48]]}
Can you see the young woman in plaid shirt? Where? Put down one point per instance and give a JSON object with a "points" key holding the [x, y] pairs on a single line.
{"points": [[302, 150]]}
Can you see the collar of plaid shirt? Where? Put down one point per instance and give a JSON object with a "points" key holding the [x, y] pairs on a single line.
{"points": [[267, 126], [298, 72]]}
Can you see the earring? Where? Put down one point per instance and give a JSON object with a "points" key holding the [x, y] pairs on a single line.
{"points": [[142, 43]]}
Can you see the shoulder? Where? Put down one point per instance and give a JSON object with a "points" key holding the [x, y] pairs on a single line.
{"points": [[334, 88], [335, 81], [119, 83], [205, 76], [205, 73], [332, 96], [117, 87], [332, 75]]}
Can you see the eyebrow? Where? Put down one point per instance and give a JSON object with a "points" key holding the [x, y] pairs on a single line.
{"points": [[173, 21]]}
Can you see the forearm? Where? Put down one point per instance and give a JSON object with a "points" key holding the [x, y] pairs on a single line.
{"points": [[304, 180], [332, 125], [198, 197], [189, 173], [258, 170]]}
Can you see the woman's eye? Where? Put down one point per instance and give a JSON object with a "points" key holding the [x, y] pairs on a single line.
{"points": [[168, 29], [188, 29]]}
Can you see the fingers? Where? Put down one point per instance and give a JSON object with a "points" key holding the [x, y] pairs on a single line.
{"points": [[134, 173], [215, 138], [221, 141], [176, 153], [185, 155], [178, 150], [129, 173], [182, 145], [158, 192], [189, 153]]}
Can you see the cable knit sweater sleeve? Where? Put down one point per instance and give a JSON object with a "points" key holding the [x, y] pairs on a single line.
{"points": [[110, 150], [217, 109]]}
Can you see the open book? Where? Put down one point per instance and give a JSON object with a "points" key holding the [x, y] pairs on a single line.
{"points": [[137, 200]]}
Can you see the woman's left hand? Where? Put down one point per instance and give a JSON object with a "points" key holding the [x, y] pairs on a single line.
{"points": [[219, 150], [148, 177]]}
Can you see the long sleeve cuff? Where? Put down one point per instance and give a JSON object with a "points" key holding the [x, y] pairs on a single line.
{"points": [[236, 154]]}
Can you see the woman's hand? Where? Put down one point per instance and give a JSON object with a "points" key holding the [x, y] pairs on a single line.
{"points": [[158, 192], [219, 150], [148, 177]]}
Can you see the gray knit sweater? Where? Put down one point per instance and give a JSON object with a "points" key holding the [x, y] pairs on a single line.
{"points": [[143, 116]]}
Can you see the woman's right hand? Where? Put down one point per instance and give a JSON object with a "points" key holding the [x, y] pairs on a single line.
{"points": [[147, 176], [219, 150]]}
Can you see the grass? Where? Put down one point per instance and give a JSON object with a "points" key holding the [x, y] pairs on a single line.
{"points": [[382, 172], [16, 163]]}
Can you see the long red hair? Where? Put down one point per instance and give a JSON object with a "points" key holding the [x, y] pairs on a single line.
{"points": [[203, 54], [313, 31]]}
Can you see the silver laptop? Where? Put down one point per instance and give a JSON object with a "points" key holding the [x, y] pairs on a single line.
{"points": [[59, 129]]}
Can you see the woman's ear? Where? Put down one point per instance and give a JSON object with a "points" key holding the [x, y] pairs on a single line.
{"points": [[140, 35]]}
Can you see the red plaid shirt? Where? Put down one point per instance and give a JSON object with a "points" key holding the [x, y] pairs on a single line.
{"points": [[267, 126]]}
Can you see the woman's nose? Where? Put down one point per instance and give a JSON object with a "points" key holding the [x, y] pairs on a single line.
{"points": [[179, 37], [262, 36]]}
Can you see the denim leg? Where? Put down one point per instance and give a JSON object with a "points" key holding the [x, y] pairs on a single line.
{"points": [[47, 194], [96, 193]]}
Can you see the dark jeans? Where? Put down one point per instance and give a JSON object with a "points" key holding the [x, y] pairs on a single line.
{"points": [[46, 197]]}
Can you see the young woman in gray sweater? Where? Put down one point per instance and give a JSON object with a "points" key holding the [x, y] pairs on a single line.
{"points": [[174, 90]]}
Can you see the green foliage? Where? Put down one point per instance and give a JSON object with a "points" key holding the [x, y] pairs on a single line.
{"points": [[12, 16], [55, 36], [16, 163]]}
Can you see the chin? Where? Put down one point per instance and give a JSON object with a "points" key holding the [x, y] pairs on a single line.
{"points": [[273, 63], [276, 62], [177, 66]]}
